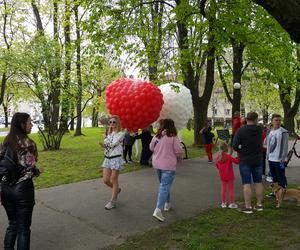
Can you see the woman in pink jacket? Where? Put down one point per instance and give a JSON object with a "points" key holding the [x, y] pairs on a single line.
{"points": [[166, 149]]}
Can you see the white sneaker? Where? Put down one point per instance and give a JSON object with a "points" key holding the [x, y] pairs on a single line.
{"points": [[223, 205], [167, 207], [110, 205], [233, 205], [158, 214], [269, 179]]}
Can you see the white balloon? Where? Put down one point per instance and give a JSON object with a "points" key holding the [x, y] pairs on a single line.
{"points": [[177, 105]]}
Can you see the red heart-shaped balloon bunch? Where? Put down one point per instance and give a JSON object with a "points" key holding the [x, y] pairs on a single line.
{"points": [[138, 103]]}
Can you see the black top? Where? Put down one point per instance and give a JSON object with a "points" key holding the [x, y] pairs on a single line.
{"points": [[247, 142], [208, 137], [128, 139], [146, 138]]}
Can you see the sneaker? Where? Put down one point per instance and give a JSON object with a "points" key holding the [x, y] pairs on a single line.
{"points": [[233, 205], [259, 207], [167, 206], [247, 210], [210, 161], [110, 205], [271, 195], [269, 179], [158, 214], [223, 205], [130, 162]]}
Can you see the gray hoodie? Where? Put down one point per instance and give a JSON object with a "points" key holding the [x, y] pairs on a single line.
{"points": [[284, 145]]}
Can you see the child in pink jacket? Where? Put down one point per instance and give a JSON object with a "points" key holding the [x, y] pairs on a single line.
{"points": [[166, 149], [224, 164]]}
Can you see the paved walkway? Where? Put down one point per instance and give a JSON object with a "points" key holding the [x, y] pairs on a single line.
{"points": [[73, 216]]}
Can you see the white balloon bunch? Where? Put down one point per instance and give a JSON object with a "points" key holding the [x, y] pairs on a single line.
{"points": [[177, 105]]}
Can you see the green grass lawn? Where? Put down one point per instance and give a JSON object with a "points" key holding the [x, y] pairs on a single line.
{"points": [[219, 228], [4, 129], [80, 157]]}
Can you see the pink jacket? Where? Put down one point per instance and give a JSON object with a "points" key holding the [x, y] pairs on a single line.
{"points": [[165, 152], [225, 168]]}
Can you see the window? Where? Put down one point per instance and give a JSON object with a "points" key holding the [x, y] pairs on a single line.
{"points": [[227, 111], [215, 111]]}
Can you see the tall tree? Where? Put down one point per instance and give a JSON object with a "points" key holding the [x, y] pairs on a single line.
{"points": [[65, 102], [192, 60], [78, 69]]}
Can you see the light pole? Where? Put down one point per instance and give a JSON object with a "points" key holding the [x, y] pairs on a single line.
{"points": [[236, 104]]}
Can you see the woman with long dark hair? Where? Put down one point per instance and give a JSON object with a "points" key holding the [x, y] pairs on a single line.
{"points": [[166, 149], [19, 155]]}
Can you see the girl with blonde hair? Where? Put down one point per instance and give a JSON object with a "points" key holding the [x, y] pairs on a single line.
{"points": [[113, 161]]}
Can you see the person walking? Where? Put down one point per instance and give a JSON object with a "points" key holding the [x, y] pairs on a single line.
{"points": [[129, 139], [19, 156], [167, 150], [224, 165], [208, 138], [247, 142], [113, 161], [277, 149]]}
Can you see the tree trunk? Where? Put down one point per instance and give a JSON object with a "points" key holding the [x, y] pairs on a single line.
{"points": [[238, 49], [94, 118], [3, 87], [39, 25], [154, 45], [289, 110], [289, 121], [5, 110], [78, 73], [265, 114], [65, 110], [55, 89], [192, 76]]}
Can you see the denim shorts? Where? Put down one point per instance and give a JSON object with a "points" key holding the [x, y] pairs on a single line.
{"points": [[249, 173]]}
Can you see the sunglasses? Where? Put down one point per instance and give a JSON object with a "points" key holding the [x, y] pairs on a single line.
{"points": [[112, 122]]}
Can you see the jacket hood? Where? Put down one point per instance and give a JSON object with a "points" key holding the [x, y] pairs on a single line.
{"points": [[253, 129]]}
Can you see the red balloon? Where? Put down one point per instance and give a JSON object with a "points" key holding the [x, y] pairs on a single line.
{"points": [[138, 103]]}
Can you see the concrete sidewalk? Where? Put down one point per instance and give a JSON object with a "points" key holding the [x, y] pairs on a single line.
{"points": [[73, 216]]}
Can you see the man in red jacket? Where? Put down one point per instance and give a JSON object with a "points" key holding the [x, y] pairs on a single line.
{"points": [[236, 124]]}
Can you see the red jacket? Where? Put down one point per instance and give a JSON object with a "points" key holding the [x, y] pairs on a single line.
{"points": [[236, 124], [263, 137], [225, 168]]}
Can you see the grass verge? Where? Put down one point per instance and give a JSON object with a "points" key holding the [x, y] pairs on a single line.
{"points": [[219, 228]]}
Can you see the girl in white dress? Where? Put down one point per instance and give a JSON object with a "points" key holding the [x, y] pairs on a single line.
{"points": [[113, 161]]}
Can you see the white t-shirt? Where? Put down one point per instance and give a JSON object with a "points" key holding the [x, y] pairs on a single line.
{"points": [[274, 142]]}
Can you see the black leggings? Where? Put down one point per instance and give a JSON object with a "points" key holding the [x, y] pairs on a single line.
{"points": [[18, 201], [127, 149]]}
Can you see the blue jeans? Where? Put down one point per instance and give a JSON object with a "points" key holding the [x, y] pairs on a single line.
{"points": [[278, 173], [165, 178]]}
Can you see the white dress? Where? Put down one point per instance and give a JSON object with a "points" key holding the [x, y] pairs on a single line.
{"points": [[113, 150]]}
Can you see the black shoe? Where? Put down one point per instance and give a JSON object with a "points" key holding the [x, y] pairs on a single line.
{"points": [[247, 210], [259, 208]]}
